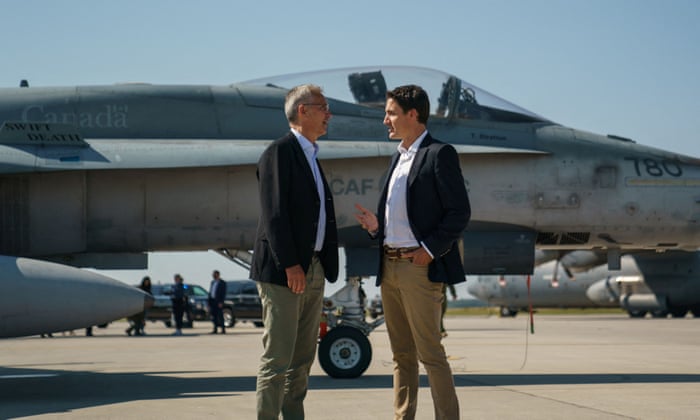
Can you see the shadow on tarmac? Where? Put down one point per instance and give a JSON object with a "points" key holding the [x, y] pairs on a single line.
{"points": [[29, 392]]}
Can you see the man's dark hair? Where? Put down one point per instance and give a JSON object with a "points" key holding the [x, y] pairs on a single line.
{"points": [[412, 97]]}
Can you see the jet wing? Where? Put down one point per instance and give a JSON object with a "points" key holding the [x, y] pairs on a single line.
{"points": [[130, 154], [86, 154]]}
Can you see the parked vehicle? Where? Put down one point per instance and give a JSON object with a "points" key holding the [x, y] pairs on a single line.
{"points": [[162, 309], [242, 303]]}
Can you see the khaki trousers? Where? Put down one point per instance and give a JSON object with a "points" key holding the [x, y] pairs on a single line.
{"points": [[289, 345], [412, 309]]}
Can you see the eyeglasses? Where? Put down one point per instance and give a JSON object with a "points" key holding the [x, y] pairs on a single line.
{"points": [[322, 107]]}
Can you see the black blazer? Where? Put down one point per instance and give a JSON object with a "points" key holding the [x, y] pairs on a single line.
{"points": [[289, 215], [438, 208]]}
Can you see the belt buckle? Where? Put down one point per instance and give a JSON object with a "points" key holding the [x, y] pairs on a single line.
{"points": [[391, 253], [397, 253]]}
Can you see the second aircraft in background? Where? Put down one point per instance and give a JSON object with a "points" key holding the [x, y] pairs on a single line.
{"points": [[659, 284]]}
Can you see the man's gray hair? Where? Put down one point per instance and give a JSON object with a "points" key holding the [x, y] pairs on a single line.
{"points": [[299, 95]]}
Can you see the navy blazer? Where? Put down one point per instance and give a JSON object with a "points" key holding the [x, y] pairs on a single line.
{"points": [[289, 210], [438, 208]]}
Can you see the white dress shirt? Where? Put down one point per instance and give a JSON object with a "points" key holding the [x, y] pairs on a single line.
{"points": [[311, 151], [397, 230], [214, 286]]}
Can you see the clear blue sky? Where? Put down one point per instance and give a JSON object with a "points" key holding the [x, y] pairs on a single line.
{"points": [[625, 67]]}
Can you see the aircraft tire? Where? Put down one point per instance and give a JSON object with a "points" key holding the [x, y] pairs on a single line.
{"points": [[345, 352], [636, 313], [506, 312]]}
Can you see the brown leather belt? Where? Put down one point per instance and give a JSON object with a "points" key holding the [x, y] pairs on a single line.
{"points": [[398, 253]]}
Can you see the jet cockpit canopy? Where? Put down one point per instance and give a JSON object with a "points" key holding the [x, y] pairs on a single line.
{"points": [[450, 97]]}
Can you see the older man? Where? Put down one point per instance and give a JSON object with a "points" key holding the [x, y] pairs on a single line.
{"points": [[296, 247]]}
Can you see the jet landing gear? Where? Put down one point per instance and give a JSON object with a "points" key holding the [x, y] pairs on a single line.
{"points": [[344, 350]]}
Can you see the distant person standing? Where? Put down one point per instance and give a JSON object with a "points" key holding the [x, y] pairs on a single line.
{"points": [[423, 210], [217, 295], [146, 287], [453, 292], [296, 247], [137, 322], [179, 299]]}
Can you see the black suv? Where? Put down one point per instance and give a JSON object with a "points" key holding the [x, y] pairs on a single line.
{"points": [[197, 304], [242, 303]]}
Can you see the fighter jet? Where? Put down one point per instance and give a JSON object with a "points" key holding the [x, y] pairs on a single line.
{"points": [[96, 176], [659, 284]]}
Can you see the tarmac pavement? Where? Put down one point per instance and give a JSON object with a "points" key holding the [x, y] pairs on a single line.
{"points": [[573, 366]]}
